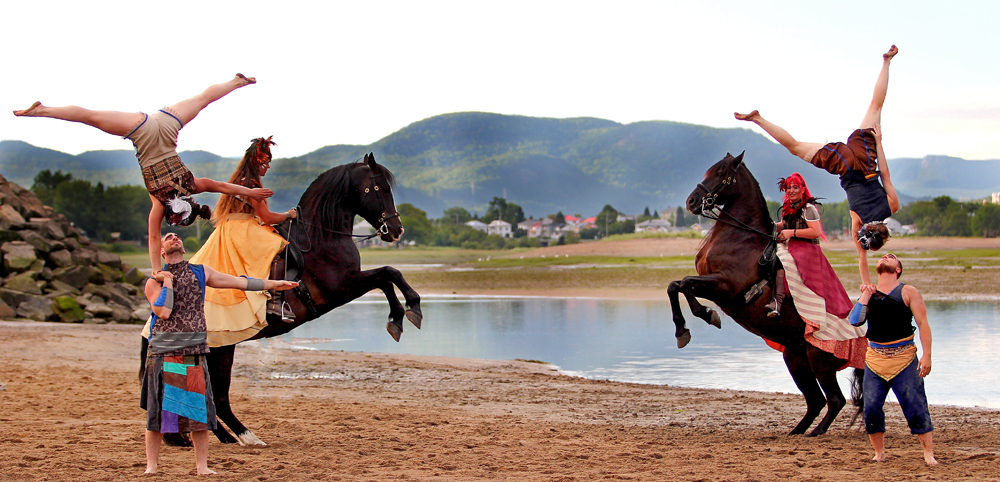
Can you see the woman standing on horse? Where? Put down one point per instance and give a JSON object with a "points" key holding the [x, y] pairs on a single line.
{"points": [[243, 244], [820, 298], [860, 163]]}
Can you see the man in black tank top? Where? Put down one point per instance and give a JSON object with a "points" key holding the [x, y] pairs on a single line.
{"points": [[890, 307]]}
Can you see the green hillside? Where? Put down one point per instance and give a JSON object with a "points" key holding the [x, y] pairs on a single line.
{"points": [[545, 165]]}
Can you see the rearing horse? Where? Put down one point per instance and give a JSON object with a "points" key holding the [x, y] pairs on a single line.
{"points": [[331, 268], [727, 268]]}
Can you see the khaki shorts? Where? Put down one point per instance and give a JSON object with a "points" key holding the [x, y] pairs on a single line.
{"points": [[155, 137]]}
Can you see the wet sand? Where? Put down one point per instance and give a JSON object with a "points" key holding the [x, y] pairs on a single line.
{"points": [[69, 411]]}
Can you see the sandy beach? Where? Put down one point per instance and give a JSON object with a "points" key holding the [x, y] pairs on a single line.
{"points": [[69, 411]]}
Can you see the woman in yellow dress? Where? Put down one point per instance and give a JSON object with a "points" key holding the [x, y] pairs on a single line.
{"points": [[243, 243]]}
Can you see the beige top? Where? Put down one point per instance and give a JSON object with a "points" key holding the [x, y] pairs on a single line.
{"points": [[155, 137]]}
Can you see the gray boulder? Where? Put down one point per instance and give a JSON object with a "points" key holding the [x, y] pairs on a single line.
{"points": [[10, 218], [60, 258], [110, 259], [99, 310], [60, 286], [26, 282], [13, 298], [40, 243], [134, 277], [75, 276], [38, 308], [84, 257], [17, 255], [71, 244]]}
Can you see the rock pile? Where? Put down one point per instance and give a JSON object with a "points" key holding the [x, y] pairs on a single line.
{"points": [[52, 272]]}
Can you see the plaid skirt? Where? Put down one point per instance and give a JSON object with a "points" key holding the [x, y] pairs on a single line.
{"points": [[168, 179], [177, 394]]}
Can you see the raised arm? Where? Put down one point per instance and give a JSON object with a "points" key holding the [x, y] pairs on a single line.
{"points": [[913, 299], [862, 252], [219, 280], [161, 298], [204, 184], [883, 170], [155, 219]]}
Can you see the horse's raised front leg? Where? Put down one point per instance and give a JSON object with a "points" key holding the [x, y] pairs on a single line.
{"points": [[695, 287], [412, 298], [220, 369], [381, 279]]}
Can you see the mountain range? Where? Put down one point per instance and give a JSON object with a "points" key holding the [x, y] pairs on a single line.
{"points": [[544, 165]]}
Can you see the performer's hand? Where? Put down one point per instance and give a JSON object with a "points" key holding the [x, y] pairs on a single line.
{"points": [[787, 233], [282, 285], [259, 193], [867, 288], [925, 365], [292, 213], [866, 293], [159, 275], [878, 133]]}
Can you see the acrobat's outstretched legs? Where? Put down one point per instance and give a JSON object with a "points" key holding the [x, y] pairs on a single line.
{"points": [[187, 109], [118, 123], [113, 122], [804, 150]]}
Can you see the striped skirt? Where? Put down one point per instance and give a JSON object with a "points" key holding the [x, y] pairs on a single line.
{"points": [[177, 394]]}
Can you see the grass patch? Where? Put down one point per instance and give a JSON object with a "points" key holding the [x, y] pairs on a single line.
{"points": [[688, 234], [537, 262]]}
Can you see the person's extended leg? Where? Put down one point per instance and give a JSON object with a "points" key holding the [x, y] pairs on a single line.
{"points": [[804, 150], [152, 451], [878, 443], [187, 109], [112, 122], [200, 439], [875, 390], [874, 114]]}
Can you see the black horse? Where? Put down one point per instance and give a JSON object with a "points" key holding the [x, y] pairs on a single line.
{"points": [[331, 268], [727, 265]]}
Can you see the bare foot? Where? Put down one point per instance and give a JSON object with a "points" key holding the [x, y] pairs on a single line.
{"points": [[890, 54], [879, 457], [206, 472], [930, 460], [747, 117], [149, 471], [30, 111], [243, 80]]}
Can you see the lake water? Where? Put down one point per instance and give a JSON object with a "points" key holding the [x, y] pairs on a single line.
{"points": [[633, 341]]}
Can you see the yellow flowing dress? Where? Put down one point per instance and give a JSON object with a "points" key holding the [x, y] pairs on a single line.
{"points": [[240, 245]]}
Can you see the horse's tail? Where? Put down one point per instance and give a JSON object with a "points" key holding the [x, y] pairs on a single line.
{"points": [[857, 393], [142, 357]]}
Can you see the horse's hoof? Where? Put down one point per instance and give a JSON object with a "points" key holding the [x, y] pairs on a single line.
{"points": [[415, 317], [395, 331], [714, 319], [684, 339], [248, 438]]}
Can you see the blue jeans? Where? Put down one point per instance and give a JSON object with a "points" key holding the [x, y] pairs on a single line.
{"points": [[908, 386]]}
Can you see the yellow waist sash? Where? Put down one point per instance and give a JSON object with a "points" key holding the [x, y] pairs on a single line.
{"points": [[887, 361]]}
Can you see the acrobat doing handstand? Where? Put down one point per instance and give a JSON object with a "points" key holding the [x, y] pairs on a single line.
{"points": [[860, 163], [154, 136]]}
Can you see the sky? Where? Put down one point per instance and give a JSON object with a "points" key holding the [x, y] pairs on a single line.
{"points": [[354, 72]]}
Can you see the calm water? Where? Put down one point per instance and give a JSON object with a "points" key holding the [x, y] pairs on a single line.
{"points": [[632, 341]]}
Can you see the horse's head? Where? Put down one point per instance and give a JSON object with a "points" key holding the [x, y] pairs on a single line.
{"points": [[374, 185], [718, 187]]}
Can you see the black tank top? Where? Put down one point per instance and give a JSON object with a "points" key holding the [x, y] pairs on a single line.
{"points": [[889, 319]]}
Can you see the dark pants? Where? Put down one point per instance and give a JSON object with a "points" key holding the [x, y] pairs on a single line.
{"points": [[908, 386]]}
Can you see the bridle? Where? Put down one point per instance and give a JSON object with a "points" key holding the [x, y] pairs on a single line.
{"points": [[383, 227], [709, 204]]}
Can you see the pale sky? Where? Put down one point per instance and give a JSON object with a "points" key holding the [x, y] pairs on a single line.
{"points": [[354, 72]]}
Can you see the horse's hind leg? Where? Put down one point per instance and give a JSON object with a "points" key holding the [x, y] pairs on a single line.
{"points": [[797, 362], [701, 311], [824, 366], [220, 369]]}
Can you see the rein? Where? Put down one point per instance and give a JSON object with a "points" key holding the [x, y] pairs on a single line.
{"points": [[383, 227]]}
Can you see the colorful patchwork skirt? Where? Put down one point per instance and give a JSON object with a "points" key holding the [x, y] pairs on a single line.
{"points": [[177, 394]]}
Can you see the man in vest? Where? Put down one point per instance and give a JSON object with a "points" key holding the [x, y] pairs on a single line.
{"points": [[890, 308], [176, 389]]}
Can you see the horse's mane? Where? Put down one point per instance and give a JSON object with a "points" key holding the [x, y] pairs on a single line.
{"points": [[765, 215], [321, 200]]}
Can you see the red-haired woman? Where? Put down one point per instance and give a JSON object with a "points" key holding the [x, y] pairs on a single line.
{"points": [[820, 298]]}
